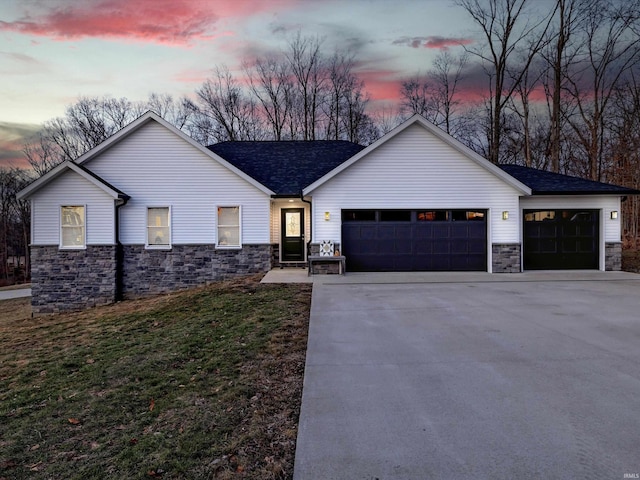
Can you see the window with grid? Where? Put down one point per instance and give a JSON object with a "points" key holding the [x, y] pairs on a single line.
{"points": [[72, 227], [158, 227], [229, 227]]}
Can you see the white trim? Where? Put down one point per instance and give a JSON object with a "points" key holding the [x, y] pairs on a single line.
{"points": [[59, 170], [229, 247], [150, 116], [149, 246], [61, 245], [442, 135]]}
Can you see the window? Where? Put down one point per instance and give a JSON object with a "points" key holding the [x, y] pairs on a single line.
{"points": [[395, 215], [540, 216], [72, 227], [358, 215], [229, 227], [158, 227], [433, 216]]}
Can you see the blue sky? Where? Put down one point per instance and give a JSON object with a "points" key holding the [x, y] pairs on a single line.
{"points": [[54, 51]]}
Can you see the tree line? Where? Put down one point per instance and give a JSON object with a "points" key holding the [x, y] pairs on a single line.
{"points": [[562, 89], [559, 83]]}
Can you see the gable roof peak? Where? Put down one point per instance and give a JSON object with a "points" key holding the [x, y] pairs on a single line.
{"points": [[438, 133]]}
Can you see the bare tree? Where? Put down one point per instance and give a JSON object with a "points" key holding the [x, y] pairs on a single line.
{"points": [[41, 154], [506, 26], [610, 49], [520, 104], [224, 111], [177, 112], [416, 96], [306, 63], [626, 155], [446, 77], [560, 56], [14, 225], [271, 84]]}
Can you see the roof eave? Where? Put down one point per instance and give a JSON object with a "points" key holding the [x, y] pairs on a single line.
{"points": [[584, 192], [442, 135], [59, 170], [151, 116]]}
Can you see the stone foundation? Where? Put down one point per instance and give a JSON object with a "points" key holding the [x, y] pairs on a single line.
{"points": [[148, 271], [68, 280], [613, 257], [506, 257]]}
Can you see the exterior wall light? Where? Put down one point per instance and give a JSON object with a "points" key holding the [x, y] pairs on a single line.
{"points": [[327, 216], [505, 215], [614, 215]]}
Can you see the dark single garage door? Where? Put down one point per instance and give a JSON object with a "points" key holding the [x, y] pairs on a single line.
{"points": [[561, 239], [414, 240]]}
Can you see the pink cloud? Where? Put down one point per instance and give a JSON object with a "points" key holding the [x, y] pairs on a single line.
{"points": [[159, 21], [12, 139], [434, 42], [381, 85]]}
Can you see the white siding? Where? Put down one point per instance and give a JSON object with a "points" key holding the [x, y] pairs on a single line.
{"points": [[415, 170], [157, 168], [609, 229], [72, 189]]}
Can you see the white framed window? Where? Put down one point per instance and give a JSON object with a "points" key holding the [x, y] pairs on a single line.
{"points": [[158, 227], [229, 227], [73, 233]]}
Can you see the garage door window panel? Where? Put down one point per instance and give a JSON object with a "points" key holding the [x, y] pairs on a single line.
{"points": [[432, 216], [395, 215], [358, 215]]}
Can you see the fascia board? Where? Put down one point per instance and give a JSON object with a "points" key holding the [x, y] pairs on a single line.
{"points": [[448, 139], [59, 170], [150, 116]]}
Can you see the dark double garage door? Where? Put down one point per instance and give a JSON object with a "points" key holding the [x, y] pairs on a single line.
{"points": [[415, 240], [456, 240]]}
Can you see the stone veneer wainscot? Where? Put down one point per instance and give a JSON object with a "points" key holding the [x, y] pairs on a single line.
{"points": [[506, 257], [613, 256], [67, 280], [151, 271]]}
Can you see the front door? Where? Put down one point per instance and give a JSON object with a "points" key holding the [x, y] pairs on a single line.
{"points": [[292, 227]]}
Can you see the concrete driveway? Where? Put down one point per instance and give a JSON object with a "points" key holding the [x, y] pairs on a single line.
{"points": [[477, 376]]}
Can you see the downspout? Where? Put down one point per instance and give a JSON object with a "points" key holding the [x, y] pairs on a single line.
{"points": [[120, 202], [310, 222]]}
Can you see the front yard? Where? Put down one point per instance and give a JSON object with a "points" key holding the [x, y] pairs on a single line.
{"points": [[199, 384]]}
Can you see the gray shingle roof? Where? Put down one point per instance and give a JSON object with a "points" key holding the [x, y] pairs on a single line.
{"points": [[286, 167], [547, 183]]}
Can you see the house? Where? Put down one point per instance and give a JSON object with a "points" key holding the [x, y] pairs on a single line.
{"points": [[150, 211]]}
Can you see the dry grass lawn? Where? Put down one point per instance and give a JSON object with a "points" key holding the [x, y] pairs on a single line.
{"points": [[200, 384]]}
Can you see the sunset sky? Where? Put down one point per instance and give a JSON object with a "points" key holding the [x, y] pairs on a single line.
{"points": [[54, 51]]}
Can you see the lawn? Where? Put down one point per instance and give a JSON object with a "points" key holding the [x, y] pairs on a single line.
{"points": [[200, 384]]}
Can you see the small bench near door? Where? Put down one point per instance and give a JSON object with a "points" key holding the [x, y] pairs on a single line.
{"points": [[326, 263]]}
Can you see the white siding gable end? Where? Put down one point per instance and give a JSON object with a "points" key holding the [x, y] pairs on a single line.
{"points": [[415, 169], [72, 189]]}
